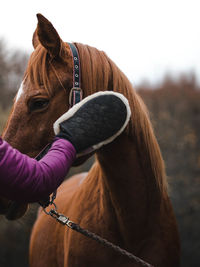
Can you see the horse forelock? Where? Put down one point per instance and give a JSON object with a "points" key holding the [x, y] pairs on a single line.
{"points": [[37, 71], [100, 73]]}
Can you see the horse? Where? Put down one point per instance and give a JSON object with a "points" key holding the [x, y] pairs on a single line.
{"points": [[124, 196]]}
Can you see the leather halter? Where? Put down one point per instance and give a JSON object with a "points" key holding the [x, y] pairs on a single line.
{"points": [[76, 91], [75, 96]]}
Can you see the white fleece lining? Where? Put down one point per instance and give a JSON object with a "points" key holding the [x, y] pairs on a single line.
{"points": [[71, 112]]}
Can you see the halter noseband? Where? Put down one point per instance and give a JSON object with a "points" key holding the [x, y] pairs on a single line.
{"points": [[76, 94]]}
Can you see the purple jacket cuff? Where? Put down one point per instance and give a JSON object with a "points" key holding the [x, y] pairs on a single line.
{"points": [[24, 179]]}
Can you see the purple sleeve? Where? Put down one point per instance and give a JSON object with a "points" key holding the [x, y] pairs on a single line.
{"points": [[25, 179]]}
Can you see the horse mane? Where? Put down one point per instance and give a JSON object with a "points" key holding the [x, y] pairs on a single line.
{"points": [[100, 73]]}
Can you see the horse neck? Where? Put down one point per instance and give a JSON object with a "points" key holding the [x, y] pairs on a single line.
{"points": [[135, 196]]}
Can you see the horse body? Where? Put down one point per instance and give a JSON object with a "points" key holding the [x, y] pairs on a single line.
{"points": [[124, 196], [98, 203]]}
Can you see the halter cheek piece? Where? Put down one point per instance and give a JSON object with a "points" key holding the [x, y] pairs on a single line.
{"points": [[76, 94]]}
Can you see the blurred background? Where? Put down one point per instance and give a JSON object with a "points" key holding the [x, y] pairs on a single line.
{"points": [[156, 44]]}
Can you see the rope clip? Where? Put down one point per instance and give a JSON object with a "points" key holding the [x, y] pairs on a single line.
{"points": [[64, 220]]}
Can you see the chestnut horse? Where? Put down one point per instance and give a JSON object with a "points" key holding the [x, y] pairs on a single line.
{"points": [[123, 197]]}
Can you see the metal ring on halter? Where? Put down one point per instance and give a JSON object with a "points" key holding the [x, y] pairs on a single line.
{"points": [[49, 212]]}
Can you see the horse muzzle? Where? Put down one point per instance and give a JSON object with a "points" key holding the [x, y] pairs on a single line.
{"points": [[16, 210], [12, 210]]}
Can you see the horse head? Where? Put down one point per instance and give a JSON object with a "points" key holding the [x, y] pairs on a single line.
{"points": [[45, 90], [42, 97]]}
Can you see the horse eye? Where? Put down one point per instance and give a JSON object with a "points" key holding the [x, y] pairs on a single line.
{"points": [[38, 104]]}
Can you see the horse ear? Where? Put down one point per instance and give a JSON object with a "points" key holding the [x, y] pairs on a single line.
{"points": [[47, 36]]}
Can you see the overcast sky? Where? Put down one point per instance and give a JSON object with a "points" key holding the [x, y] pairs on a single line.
{"points": [[145, 38]]}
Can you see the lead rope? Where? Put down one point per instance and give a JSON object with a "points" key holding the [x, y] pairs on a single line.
{"points": [[62, 219]]}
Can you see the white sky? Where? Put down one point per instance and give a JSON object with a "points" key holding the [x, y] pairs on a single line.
{"points": [[145, 38]]}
